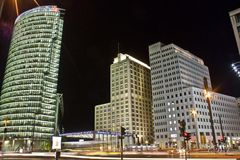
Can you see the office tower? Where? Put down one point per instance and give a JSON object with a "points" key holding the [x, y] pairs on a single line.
{"points": [[29, 101], [178, 92], [235, 19], [130, 105]]}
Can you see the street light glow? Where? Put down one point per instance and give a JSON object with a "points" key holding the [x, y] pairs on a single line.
{"points": [[207, 94], [194, 112]]}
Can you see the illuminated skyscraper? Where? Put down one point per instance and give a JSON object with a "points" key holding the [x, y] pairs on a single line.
{"points": [[29, 101], [178, 91], [131, 100]]}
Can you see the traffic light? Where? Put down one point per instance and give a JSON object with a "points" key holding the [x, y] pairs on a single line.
{"points": [[182, 127], [123, 131], [187, 136]]}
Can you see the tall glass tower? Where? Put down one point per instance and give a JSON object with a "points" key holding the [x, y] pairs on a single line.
{"points": [[29, 100]]}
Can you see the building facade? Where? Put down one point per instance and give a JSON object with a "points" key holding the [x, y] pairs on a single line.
{"points": [[235, 19], [193, 108], [177, 89], [29, 102], [131, 100], [103, 114]]}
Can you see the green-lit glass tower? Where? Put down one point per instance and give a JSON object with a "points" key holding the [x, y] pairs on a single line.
{"points": [[29, 100]]}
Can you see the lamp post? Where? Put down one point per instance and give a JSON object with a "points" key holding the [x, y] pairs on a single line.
{"points": [[223, 136], [220, 120], [194, 113], [207, 95]]}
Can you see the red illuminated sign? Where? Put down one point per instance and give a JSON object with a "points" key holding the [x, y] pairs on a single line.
{"points": [[55, 9]]}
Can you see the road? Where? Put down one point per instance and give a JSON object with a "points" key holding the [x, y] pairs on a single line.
{"points": [[29, 158], [72, 156], [101, 158]]}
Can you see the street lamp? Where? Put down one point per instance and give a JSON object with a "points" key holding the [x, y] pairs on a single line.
{"points": [[194, 113], [223, 136], [208, 96]]}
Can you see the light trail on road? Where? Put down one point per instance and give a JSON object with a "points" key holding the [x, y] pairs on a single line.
{"points": [[118, 158], [39, 156]]}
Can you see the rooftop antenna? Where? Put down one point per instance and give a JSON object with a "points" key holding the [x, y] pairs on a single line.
{"points": [[118, 53], [118, 47]]}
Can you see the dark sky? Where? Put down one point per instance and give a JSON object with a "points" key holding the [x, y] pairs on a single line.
{"points": [[92, 30]]}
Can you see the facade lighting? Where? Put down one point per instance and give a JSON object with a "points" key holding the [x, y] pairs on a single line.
{"points": [[29, 91]]}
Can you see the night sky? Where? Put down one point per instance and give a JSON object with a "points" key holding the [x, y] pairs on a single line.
{"points": [[92, 30]]}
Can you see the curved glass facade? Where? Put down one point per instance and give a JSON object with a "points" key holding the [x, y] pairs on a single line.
{"points": [[28, 105]]}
